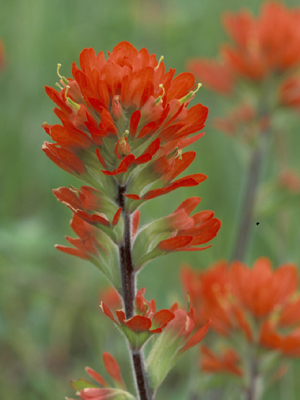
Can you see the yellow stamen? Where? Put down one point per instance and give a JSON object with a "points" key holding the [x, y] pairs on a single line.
{"points": [[179, 154], [159, 61], [124, 134], [70, 101], [158, 100], [58, 85], [190, 94], [63, 78]]}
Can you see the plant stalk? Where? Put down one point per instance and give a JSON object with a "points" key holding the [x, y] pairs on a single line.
{"points": [[246, 222], [128, 294], [251, 392]]}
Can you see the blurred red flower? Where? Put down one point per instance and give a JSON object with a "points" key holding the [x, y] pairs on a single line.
{"points": [[258, 302], [257, 50], [290, 180], [226, 362]]}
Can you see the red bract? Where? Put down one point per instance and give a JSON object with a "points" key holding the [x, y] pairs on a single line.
{"points": [[94, 245], [140, 327], [204, 228], [257, 50], [179, 231], [81, 202], [128, 94], [182, 326], [87, 245]]}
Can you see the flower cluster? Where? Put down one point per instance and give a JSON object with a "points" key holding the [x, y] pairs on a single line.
{"points": [[257, 69], [256, 51], [120, 114], [124, 123], [259, 304]]}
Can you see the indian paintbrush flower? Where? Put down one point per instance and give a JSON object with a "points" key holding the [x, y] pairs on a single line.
{"points": [[257, 308], [124, 124], [256, 52]]}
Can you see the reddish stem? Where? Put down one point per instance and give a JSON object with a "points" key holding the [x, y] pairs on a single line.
{"points": [[128, 295]]}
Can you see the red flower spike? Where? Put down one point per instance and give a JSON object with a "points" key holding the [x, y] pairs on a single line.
{"points": [[93, 106]]}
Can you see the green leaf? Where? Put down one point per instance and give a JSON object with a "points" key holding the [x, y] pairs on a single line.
{"points": [[82, 383]]}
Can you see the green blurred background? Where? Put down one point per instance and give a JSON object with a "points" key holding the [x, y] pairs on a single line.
{"points": [[50, 324]]}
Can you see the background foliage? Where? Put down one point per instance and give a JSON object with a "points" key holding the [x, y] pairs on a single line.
{"points": [[50, 324]]}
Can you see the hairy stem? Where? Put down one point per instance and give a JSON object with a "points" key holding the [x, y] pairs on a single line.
{"points": [[251, 392], [248, 204], [128, 295]]}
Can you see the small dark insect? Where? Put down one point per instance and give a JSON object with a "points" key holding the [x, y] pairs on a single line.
{"points": [[257, 223]]}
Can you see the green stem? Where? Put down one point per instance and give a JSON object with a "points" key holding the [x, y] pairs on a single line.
{"points": [[251, 392], [246, 222]]}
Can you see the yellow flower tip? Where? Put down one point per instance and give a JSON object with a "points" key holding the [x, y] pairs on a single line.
{"points": [[159, 99], [190, 94], [58, 85], [198, 87], [159, 61], [45, 123], [57, 70], [70, 101], [179, 154], [63, 78], [66, 92]]}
